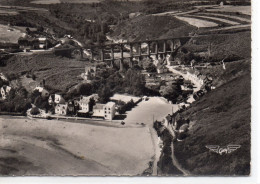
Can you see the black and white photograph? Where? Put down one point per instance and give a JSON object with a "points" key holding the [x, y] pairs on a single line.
{"points": [[140, 88]]}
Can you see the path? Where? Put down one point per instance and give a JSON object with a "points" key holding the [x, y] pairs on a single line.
{"points": [[176, 163]]}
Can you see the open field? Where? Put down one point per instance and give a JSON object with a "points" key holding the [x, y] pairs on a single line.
{"points": [[9, 35], [33, 147]]}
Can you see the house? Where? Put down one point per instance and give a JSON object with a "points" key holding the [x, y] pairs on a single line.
{"points": [[44, 92], [106, 111], [98, 110], [109, 110], [90, 73], [4, 91], [56, 99], [84, 104], [162, 69], [61, 109], [43, 43]]}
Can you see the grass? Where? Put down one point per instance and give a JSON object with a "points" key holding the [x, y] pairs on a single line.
{"points": [[152, 27], [223, 45], [221, 117]]}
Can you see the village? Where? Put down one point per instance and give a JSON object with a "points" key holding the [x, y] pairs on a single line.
{"points": [[124, 88]]}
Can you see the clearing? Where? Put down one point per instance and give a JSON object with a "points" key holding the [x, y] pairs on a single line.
{"points": [[9, 35]]}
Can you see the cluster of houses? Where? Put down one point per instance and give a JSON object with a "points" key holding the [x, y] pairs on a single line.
{"points": [[28, 43], [81, 106]]}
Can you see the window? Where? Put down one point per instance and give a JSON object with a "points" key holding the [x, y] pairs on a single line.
{"points": [[105, 108], [108, 108], [105, 115], [105, 112], [108, 112]]}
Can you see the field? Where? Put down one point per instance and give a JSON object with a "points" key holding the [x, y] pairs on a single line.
{"points": [[33, 147], [197, 22], [213, 125], [232, 45], [59, 73], [214, 16], [8, 35]]}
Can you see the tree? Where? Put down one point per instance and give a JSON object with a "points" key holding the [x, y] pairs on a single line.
{"points": [[85, 89], [104, 94], [171, 92]]}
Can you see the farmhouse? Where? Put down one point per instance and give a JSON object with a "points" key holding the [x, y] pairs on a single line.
{"points": [[4, 91]]}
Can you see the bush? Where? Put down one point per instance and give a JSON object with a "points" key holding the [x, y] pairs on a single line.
{"points": [[35, 111]]}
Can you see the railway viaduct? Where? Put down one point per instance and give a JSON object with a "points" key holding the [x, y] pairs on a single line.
{"points": [[134, 50]]}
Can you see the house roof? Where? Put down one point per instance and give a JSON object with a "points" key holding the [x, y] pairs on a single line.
{"points": [[98, 106], [110, 104]]}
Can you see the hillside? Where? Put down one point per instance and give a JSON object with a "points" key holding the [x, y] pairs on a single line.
{"points": [[152, 27], [59, 73], [221, 117]]}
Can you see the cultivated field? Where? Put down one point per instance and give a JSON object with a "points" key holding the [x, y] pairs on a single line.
{"points": [[33, 147], [214, 16]]}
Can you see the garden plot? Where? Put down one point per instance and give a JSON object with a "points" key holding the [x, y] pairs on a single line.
{"points": [[217, 19], [226, 16], [197, 22]]}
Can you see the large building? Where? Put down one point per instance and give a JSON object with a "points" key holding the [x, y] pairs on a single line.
{"points": [[106, 111]]}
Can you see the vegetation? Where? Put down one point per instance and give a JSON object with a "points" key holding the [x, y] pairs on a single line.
{"points": [[214, 126]]}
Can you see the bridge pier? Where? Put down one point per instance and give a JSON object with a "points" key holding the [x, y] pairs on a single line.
{"points": [[131, 56], [112, 56], [102, 55], [156, 49], [122, 57], [148, 49]]}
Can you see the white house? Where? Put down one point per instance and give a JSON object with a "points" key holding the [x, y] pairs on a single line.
{"points": [[61, 109], [106, 111], [4, 91], [109, 110], [98, 110], [44, 92], [84, 104], [57, 99]]}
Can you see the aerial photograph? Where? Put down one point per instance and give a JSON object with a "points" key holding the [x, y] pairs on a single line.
{"points": [[125, 88]]}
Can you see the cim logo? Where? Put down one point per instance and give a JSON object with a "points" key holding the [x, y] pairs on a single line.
{"points": [[223, 149]]}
